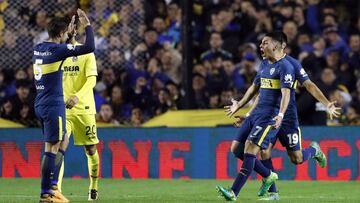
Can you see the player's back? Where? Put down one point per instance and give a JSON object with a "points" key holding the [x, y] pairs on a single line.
{"points": [[271, 78], [48, 74]]}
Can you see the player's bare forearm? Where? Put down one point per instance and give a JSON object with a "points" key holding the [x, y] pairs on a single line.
{"points": [[249, 94], [89, 84], [254, 105], [316, 92], [285, 98]]}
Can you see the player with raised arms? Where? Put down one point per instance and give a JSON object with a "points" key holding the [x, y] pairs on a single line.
{"points": [[48, 59], [274, 81]]}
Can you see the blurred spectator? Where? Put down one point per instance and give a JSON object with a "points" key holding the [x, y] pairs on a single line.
{"points": [[121, 108], [106, 115], [216, 49], [136, 119]]}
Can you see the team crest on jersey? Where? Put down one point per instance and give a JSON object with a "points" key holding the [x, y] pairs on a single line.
{"points": [[272, 70], [288, 78], [74, 58]]}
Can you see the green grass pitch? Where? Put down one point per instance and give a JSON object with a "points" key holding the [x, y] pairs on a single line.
{"points": [[181, 191]]}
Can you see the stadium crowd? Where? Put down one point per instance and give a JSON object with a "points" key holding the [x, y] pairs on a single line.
{"points": [[138, 50]]}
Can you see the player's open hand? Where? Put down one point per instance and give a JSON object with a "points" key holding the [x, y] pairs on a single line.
{"points": [[71, 102], [239, 120], [333, 110], [84, 20], [231, 110], [278, 119]]}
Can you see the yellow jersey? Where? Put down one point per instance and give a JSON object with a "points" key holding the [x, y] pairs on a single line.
{"points": [[76, 70]]}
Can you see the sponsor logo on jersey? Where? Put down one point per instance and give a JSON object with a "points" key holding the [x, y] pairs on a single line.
{"points": [[288, 79], [71, 68], [303, 73], [70, 47], [40, 87]]}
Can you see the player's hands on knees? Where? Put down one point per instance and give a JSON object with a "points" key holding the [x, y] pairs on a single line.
{"points": [[71, 102], [278, 119], [333, 110], [232, 109], [84, 20], [239, 120]]}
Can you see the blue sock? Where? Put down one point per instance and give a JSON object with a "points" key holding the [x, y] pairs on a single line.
{"points": [[245, 171], [308, 152], [261, 169], [268, 164], [47, 170], [58, 162]]}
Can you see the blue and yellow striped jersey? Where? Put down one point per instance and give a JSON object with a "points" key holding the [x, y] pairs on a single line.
{"points": [[271, 78], [47, 65]]}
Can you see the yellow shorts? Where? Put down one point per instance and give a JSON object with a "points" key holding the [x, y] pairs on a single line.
{"points": [[83, 127]]}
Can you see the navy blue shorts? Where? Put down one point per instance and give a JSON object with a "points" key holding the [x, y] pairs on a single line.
{"points": [[258, 130], [289, 137], [53, 122]]}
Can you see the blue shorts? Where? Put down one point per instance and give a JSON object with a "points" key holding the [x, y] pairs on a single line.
{"points": [[289, 137], [52, 120], [258, 130]]}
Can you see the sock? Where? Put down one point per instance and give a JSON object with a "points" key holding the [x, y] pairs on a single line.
{"points": [[93, 167], [245, 171], [47, 171], [61, 175], [308, 152], [58, 163], [268, 164], [258, 168], [261, 169]]}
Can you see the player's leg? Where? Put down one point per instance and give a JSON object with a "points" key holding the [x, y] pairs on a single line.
{"points": [[238, 146], [60, 156], [298, 155], [257, 139], [265, 156], [93, 168], [54, 131], [85, 134]]}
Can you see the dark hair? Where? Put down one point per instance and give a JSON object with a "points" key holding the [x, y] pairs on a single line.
{"points": [[56, 26], [278, 36]]}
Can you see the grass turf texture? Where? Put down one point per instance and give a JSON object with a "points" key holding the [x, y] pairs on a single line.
{"points": [[151, 191]]}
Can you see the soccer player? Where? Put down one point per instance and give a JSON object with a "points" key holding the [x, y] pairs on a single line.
{"points": [[274, 81], [289, 133], [79, 80], [49, 102]]}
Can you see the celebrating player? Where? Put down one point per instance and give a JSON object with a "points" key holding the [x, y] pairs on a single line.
{"points": [[274, 81], [79, 80], [289, 133], [49, 102]]}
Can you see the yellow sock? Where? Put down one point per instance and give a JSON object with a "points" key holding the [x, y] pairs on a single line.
{"points": [[93, 167], [61, 175]]}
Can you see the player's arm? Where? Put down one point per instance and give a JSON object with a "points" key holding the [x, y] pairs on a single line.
{"points": [[236, 105], [287, 76], [89, 84], [240, 119], [317, 93], [67, 50]]}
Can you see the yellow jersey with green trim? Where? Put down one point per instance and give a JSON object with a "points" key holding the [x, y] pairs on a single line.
{"points": [[76, 71]]}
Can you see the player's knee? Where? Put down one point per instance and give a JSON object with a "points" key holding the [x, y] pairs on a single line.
{"points": [[90, 149], [238, 150], [296, 159], [265, 154]]}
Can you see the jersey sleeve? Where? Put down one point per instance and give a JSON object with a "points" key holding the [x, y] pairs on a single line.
{"points": [[66, 50], [90, 65], [300, 73], [287, 74]]}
